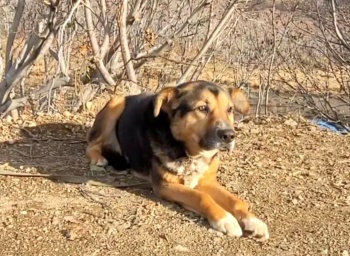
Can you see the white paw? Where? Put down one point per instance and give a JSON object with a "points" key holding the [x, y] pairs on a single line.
{"points": [[256, 228], [228, 225], [101, 161]]}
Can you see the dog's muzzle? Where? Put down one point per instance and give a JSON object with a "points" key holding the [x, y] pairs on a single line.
{"points": [[220, 137], [227, 137]]}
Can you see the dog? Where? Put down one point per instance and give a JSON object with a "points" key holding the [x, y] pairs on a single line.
{"points": [[172, 139]]}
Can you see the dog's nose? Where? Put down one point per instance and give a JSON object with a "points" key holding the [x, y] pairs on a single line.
{"points": [[226, 135]]}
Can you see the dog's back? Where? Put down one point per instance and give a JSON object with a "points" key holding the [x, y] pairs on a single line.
{"points": [[131, 132]]}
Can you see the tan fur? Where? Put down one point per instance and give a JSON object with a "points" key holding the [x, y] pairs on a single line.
{"points": [[193, 181], [224, 198], [163, 99], [194, 125], [207, 198], [104, 126]]}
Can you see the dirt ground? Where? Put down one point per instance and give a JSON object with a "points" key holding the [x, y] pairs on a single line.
{"points": [[295, 176]]}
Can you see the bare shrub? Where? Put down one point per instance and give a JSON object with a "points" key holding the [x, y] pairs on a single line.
{"points": [[316, 64], [67, 51]]}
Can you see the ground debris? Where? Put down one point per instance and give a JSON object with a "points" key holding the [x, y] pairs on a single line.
{"points": [[294, 178]]}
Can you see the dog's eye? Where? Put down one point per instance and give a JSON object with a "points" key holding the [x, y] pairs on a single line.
{"points": [[230, 109], [203, 108]]}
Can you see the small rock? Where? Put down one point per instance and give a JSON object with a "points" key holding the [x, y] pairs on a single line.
{"points": [[254, 131], [9, 119], [88, 105], [70, 218], [312, 128], [291, 123], [181, 248], [70, 234], [67, 113], [55, 221], [324, 252], [23, 212], [345, 253], [11, 142]]}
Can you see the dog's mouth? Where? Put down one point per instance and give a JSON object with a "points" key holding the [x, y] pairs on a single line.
{"points": [[218, 138], [214, 144], [229, 146]]}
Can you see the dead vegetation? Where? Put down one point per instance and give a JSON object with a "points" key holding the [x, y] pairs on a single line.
{"points": [[62, 60], [293, 175], [67, 52]]}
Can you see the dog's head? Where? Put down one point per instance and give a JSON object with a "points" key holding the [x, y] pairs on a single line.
{"points": [[201, 115]]}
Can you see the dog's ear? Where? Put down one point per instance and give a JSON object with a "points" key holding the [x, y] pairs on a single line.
{"points": [[241, 102], [163, 99]]}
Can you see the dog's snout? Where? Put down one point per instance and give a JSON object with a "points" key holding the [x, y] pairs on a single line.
{"points": [[226, 135]]}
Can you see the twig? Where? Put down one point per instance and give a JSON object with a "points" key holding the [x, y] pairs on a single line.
{"points": [[30, 156], [74, 179]]}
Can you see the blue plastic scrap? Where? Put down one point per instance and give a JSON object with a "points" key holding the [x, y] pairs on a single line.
{"points": [[331, 126]]}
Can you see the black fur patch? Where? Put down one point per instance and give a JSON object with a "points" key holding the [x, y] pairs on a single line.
{"points": [[140, 135], [143, 138], [184, 108], [115, 159]]}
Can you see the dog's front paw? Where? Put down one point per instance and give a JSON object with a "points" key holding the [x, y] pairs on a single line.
{"points": [[255, 227], [100, 162], [97, 166], [228, 225]]}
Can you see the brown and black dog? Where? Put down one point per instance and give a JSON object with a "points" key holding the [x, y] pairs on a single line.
{"points": [[172, 139]]}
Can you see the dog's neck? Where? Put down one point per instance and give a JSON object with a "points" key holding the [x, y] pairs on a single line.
{"points": [[171, 153], [187, 165]]}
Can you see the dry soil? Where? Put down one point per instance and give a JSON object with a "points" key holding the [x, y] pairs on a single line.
{"points": [[295, 176]]}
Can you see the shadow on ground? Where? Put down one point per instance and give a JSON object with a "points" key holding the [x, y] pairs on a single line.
{"points": [[58, 150]]}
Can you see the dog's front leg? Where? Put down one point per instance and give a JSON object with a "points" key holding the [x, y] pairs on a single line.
{"points": [[201, 203], [237, 207]]}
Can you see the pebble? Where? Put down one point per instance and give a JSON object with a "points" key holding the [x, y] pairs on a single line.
{"points": [[254, 131], [88, 105], [181, 248], [291, 123], [67, 113]]}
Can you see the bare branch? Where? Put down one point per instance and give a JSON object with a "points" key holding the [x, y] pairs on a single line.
{"points": [[223, 22], [95, 47], [12, 34], [337, 30], [124, 44]]}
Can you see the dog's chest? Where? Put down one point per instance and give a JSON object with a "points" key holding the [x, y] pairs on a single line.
{"points": [[189, 169]]}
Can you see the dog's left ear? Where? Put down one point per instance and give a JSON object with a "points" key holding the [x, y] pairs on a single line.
{"points": [[163, 99], [241, 102]]}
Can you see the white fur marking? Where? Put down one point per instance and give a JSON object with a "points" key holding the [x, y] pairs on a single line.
{"points": [[257, 226], [189, 169], [231, 146], [228, 225]]}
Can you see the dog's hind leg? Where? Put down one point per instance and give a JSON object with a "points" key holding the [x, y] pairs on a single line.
{"points": [[102, 133]]}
